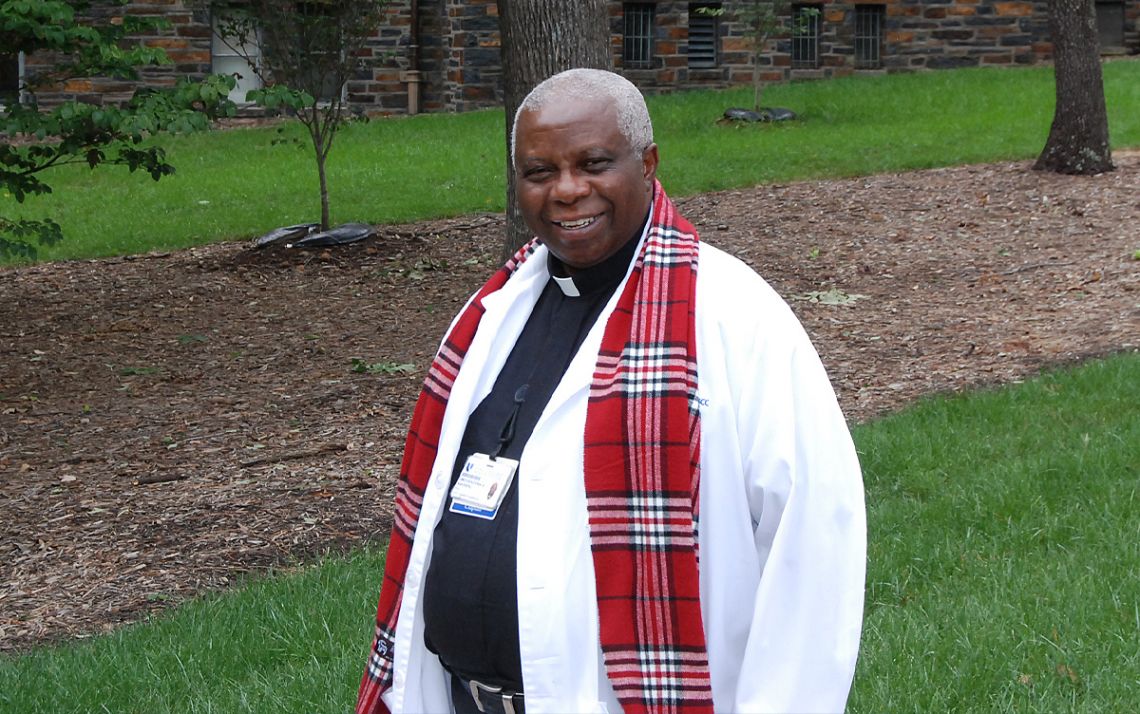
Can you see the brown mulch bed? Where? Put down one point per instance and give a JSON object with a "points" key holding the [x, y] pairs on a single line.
{"points": [[170, 422]]}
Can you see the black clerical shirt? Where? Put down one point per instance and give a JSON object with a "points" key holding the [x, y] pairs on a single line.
{"points": [[470, 596]]}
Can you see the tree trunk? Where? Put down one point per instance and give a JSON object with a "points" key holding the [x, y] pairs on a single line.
{"points": [[322, 177], [1078, 139], [756, 76], [320, 149], [541, 38], [757, 51]]}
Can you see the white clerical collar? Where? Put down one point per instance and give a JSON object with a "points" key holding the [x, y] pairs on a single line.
{"points": [[569, 289], [610, 271]]}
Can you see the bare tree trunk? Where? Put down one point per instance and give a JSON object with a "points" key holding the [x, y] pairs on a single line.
{"points": [[323, 177], [757, 85], [756, 78], [311, 119], [1078, 139], [541, 38]]}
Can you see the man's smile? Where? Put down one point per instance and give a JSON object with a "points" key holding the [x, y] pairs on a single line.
{"points": [[575, 224]]}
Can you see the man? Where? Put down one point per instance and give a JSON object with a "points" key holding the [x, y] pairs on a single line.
{"points": [[678, 524]]}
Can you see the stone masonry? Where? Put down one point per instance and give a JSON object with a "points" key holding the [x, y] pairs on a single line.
{"points": [[187, 44], [449, 49]]}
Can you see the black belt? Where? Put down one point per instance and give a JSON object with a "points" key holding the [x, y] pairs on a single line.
{"points": [[487, 698]]}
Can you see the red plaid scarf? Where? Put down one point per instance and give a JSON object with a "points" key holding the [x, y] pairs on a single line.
{"points": [[642, 488]]}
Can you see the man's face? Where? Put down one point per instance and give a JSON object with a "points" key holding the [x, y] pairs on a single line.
{"points": [[581, 188]]}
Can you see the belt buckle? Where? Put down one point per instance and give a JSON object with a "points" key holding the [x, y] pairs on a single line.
{"points": [[477, 687]]}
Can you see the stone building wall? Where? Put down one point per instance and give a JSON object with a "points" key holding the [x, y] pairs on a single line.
{"points": [[953, 33], [472, 71], [1132, 27], [380, 85], [917, 34], [186, 41], [455, 61]]}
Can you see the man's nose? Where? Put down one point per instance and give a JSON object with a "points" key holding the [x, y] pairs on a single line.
{"points": [[570, 186]]}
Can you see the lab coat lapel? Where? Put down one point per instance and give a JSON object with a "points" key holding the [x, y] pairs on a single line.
{"points": [[506, 312]]}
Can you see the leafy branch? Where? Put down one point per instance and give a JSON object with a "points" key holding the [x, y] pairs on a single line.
{"points": [[35, 140]]}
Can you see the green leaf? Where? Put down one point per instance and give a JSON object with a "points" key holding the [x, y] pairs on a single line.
{"points": [[361, 366], [94, 157], [833, 296]]}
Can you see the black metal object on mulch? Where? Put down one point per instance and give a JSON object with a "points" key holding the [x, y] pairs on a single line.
{"points": [[765, 114], [342, 234], [306, 235], [285, 234]]}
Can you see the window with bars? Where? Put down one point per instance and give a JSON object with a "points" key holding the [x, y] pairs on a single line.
{"points": [[805, 36], [703, 31], [869, 36], [637, 34]]}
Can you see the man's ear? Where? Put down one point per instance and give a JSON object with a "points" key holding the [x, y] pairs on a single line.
{"points": [[649, 165]]}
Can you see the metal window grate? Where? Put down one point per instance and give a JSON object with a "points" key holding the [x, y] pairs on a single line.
{"points": [[805, 36], [869, 36], [637, 34], [703, 33]]}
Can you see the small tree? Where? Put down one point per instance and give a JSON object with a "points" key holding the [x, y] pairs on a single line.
{"points": [[33, 141], [304, 52], [762, 20]]}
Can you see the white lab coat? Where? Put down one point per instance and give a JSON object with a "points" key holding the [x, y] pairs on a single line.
{"points": [[782, 528]]}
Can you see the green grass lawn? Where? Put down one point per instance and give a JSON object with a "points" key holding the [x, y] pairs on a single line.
{"points": [[1004, 576], [1004, 549], [242, 183]]}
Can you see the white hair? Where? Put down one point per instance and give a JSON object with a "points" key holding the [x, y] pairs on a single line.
{"points": [[591, 84]]}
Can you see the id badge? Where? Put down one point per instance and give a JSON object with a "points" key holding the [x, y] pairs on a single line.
{"points": [[481, 486]]}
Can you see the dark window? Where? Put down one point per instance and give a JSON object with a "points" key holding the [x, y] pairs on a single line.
{"points": [[9, 77], [703, 24], [319, 34], [805, 36], [1110, 24], [637, 34], [869, 36]]}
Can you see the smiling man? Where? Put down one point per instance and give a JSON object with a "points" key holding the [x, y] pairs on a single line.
{"points": [[582, 188], [615, 380]]}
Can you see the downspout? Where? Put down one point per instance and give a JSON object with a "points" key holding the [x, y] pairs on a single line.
{"points": [[412, 75]]}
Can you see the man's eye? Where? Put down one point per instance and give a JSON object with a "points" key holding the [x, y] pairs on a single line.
{"points": [[598, 164], [536, 173]]}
